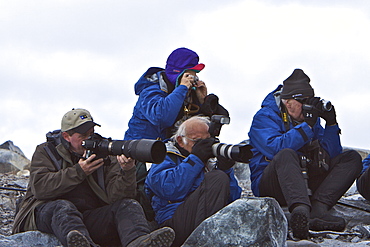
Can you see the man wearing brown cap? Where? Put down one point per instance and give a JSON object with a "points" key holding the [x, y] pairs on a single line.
{"points": [[80, 200], [296, 160]]}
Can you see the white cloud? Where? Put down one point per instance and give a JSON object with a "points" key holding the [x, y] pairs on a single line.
{"points": [[63, 54]]}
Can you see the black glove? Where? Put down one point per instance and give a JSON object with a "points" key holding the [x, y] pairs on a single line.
{"points": [[311, 110], [330, 116], [209, 107], [224, 163], [203, 149]]}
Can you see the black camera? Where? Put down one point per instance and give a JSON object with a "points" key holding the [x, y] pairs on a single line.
{"points": [[239, 152], [325, 106], [144, 150]]}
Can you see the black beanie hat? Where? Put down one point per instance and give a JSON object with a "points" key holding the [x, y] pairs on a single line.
{"points": [[297, 85]]}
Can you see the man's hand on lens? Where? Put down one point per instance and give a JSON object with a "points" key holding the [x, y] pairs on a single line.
{"points": [[330, 116], [125, 163], [311, 111], [203, 149], [224, 163]]}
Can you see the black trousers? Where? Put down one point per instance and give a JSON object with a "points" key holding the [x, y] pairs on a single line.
{"points": [[363, 184], [114, 225], [283, 179], [212, 195]]}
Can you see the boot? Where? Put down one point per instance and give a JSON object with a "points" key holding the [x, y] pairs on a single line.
{"points": [[299, 221], [162, 237], [321, 219], [77, 239], [328, 222]]}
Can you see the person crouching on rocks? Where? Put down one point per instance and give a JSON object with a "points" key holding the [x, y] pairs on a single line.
{"points": [[296, 160], [80, 200], [185, 189]]}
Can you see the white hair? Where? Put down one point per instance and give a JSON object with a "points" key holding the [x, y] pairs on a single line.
{"points": [[181, 131]]}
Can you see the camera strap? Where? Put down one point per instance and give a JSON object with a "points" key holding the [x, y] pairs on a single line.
{"points": [[57, 162], [304, 170], [285, 117]]}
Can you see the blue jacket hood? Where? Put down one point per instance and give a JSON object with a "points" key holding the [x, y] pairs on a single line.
{"points": [[144, 80], [272, 100]]}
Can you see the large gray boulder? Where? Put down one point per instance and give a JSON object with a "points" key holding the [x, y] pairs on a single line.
{"points": [[29, 239], [12, 158], [245, 222]]}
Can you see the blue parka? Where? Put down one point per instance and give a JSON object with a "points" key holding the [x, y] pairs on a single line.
{"points": [[169, 183], [365, 164], [268, 136], [156, 109]]}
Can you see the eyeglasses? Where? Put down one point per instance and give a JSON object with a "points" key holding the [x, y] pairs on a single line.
{"points": [[193, 140], [301, 100]]}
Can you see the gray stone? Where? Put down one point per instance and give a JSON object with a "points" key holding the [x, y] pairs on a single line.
{"points": [[336, 243], [12, 158], [19, 183], [242, 174], [29, 239], [245, 222], [301, 243]]}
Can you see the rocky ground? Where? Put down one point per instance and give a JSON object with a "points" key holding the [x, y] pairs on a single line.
{"points": [[10, 184], [352, 207], [356, 234]]}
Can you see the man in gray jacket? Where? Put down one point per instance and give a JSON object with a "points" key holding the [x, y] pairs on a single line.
{"points": [[80, 200]]}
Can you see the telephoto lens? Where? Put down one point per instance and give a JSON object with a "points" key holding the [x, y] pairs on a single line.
{"points": [[145, 150], [239, 152]]}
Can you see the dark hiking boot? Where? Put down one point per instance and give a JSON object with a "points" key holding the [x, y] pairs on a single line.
{"points": [[77, 239], [299, 222], [328, 222], [321, 219], [162, 237]]}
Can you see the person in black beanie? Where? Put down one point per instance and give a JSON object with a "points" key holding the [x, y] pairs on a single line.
{"points": [[296, 160]]}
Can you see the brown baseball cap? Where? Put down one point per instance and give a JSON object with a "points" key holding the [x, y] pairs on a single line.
{"points": [[79, 120]]}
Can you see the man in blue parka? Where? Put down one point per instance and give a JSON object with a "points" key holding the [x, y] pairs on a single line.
{"points": [[296, 160], [185, 188], [170, 94], [363, 182]]}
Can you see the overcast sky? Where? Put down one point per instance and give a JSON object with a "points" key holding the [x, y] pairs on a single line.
{"points": [[59, 55]]}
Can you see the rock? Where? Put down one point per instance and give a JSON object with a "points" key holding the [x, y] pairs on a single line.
{"points": [[12, 158], [232, 222], [242, 174], [301, 243], [12, 188], [245, 222], [29, 239]]}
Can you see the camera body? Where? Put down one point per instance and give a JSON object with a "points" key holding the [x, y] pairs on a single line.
{"points": [[144, 150], [239, 152], [196, 79], [325, 106]]}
